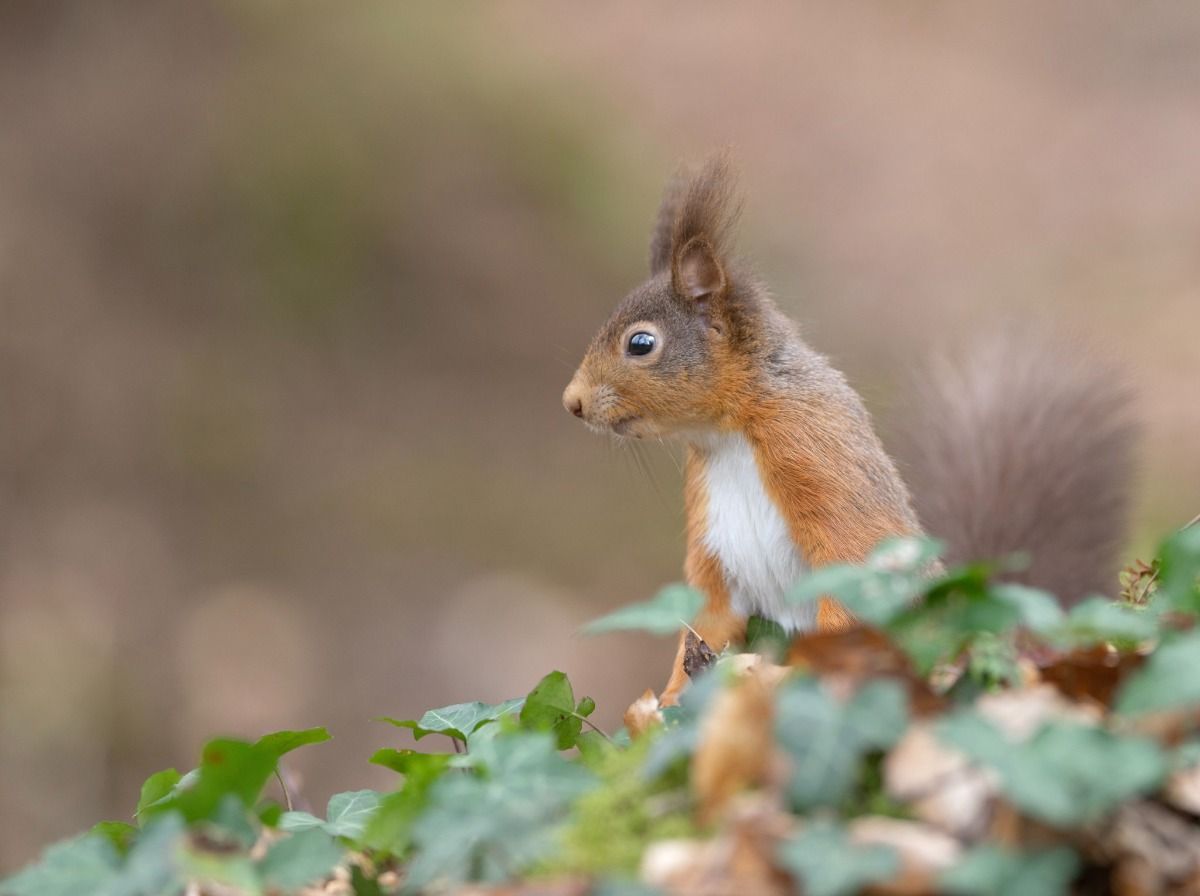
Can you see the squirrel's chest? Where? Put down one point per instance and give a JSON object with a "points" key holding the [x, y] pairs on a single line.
{"points": [[746, 532]]}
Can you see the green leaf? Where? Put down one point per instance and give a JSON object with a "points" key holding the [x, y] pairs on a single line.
{"points": [[906, 554], [828, 863], [1039, 611], [348, 813], [296, 820], [586, 707], [231, 821], [550, 706], [827, 740], [681, 724], [299, 860], [86, 864], [765, 636], [1067, 773], [664, 614], [493, 824], [227, 767], [156, 789], [892, 578], [618, 887], [280, 743], [119, 833], [993, 871], [957, 609], [408, 762], [593, 747], [233, 870], [1180, 564], [362, 885], [1099, 620], [1168, 680], [269, 812], [152, 867], [457, 721], [388, 830]]}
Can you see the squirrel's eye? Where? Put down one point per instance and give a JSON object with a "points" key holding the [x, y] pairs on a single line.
{"points": [[641, 343]]}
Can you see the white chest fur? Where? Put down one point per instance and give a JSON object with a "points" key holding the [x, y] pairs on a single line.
{"points": [[749, 536]]}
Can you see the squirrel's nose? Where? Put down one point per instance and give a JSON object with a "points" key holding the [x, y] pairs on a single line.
{"points": [[573, 399]]}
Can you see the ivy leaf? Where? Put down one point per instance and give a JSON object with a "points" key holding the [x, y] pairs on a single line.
{"points": [[956, 610], [879, 590], [389, 829], [827, 863], [681, 724], [348, 813], [152, 868], [1168, 680], [156, 789], [409, 762], [85, 864], [231, 819], [457, 721], [550, 706], [280, 743], [664, 614], [1039, 611], [119, 833], [765, 636], [993, 871], [296, 821], [1099, 620], [227, 767], [493, 823], [1180, 564], [827, 740], [232, 870], [299, 860], [1067, 773]]}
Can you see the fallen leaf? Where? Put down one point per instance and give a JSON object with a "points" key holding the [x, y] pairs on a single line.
{"points": [[1091, 673], [697, 655], [736, 743], [860, 654], [643, 714], [939, 785], [924, 851]]}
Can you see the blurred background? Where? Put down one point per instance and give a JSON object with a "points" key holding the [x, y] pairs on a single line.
{"points": [[289, 293]]}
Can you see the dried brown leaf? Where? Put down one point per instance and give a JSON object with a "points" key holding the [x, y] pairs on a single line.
{"points": [[643, 714], [737, 743], [857, 655], [924, 852], [1091, 673]]}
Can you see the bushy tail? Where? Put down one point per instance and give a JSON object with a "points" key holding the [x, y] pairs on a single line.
{"points": [[1024, 446]]}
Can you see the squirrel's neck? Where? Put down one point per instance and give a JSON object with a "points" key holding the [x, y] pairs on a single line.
{"points": [[819, 458]]}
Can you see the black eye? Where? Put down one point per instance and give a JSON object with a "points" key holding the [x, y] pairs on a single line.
{"points": [[641, 343]]}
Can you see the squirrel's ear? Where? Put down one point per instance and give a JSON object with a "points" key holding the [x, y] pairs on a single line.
{"points": [[661, 240], [697, 272], [695, 223]]}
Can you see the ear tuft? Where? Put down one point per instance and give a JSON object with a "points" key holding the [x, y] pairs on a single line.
{"points": [[694, 229], [697, 271]]}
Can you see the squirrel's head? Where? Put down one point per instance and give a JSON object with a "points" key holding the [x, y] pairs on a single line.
{"points": [[667, 360]]}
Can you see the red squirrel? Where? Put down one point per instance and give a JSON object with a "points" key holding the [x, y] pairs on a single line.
{"points": [[784, 470]]}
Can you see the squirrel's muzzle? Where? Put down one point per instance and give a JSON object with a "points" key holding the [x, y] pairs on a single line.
{"points": [[573, 397]]}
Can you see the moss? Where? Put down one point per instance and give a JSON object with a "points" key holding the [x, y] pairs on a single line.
{"points": [[611, 826]]}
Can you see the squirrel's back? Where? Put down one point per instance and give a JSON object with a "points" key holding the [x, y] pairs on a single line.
{"points": [[1024, 445]]}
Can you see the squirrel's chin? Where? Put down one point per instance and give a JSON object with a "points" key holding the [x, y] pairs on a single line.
{"points": [[628, 426]]}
